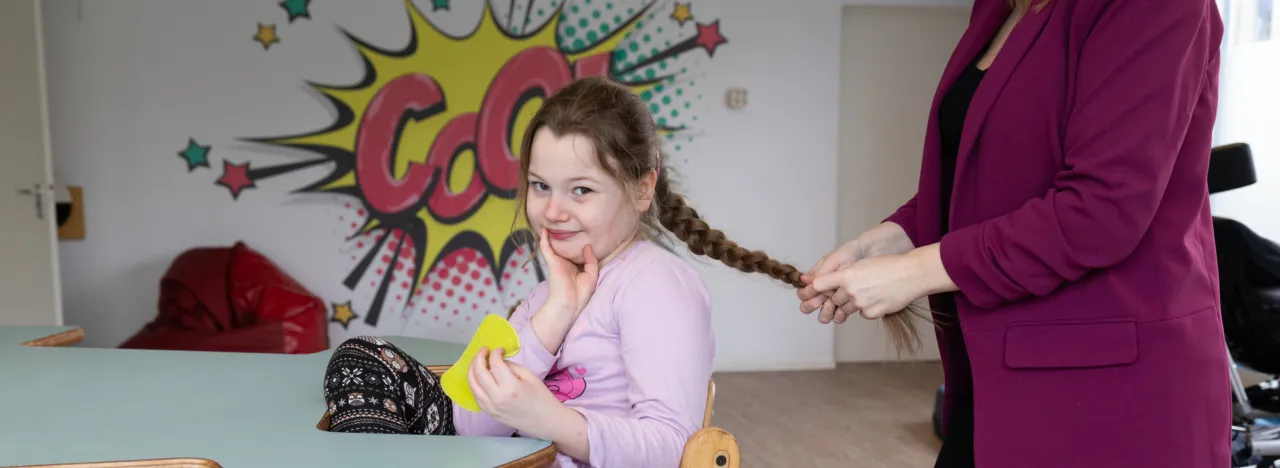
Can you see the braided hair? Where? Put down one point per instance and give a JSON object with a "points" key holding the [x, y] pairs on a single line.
{"points": [[620, 127]]}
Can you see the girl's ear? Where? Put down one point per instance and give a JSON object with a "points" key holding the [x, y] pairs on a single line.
{"points": [[644, 199]]}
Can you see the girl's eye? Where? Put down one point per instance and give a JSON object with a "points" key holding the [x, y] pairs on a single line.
{"points": [[581, 191], [539, 186]]}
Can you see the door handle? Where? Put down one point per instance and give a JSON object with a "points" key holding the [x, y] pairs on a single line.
{"points": [[38, 193]]}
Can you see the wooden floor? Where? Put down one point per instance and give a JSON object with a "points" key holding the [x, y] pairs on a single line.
{"points": [[863, 415]]}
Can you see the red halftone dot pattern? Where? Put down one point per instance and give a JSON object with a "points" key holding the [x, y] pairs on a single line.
{"points": [[518, 277], [452, 298], [462, 289]]}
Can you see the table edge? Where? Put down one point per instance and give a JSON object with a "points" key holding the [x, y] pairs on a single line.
{"points": [[539, 459], [149, 463]]}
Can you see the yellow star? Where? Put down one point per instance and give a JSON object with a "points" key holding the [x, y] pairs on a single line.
{"points": [[266, 35], [343, 314], [682, 13]]}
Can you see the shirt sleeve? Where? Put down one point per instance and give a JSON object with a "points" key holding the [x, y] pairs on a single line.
{"points": [[667, 348], [532, 356], [905, 217], [1141, 75]]}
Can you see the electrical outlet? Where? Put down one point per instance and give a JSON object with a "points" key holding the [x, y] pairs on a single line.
{"points": [[736, 98]]}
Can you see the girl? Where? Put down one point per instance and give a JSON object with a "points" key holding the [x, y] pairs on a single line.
{"points": [[616, 347]]}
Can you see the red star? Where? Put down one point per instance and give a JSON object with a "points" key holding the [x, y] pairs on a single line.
{"points": [[235, 177], [709, 37]]}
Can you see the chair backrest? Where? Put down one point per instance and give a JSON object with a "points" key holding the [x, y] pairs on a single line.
{"points": [[711, 400]]}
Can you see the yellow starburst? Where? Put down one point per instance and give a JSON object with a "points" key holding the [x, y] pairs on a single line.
{"points": [[465, 70]]}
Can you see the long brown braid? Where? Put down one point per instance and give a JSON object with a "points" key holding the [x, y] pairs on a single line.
{"points": [[620, 127]]}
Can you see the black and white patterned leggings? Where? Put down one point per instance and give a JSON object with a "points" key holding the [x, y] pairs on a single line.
{"points": [[371, 385]]}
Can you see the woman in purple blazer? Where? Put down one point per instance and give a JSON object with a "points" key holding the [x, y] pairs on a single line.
{"points": [[1061, 231]]}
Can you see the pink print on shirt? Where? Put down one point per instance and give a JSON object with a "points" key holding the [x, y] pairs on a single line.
{"points": [[564, 384]]}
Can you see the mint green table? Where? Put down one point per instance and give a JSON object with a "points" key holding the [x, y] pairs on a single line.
{"points": [[66, 405]]}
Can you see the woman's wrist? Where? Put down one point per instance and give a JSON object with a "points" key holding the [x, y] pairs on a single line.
{"points": [[932, 274], [887, 238]]}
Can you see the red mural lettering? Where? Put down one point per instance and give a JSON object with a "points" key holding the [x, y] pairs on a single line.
{"points": [[539, 68], [378, 137], [443, 203], [538, 71], [595, 65]]}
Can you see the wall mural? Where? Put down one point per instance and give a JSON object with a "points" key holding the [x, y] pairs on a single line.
{"points": [[421, 159]]}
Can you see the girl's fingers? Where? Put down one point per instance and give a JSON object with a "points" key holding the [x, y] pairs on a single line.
{"points": [[498, 368]]}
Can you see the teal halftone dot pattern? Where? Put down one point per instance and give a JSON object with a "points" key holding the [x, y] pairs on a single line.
{"points": [[654, 49], [584, 24], [658, 47], [669, 103]]}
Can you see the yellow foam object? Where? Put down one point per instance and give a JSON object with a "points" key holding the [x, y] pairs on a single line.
{"points": [[494, 332]]}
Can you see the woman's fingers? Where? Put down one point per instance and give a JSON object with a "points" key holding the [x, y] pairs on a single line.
{"points": [[828, 312], [849, 310], [812, 304], [841, 297]]}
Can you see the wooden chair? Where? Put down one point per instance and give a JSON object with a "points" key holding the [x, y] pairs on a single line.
{"points": [[711, 446]]}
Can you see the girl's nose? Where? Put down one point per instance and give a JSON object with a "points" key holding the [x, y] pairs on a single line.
{"points": [[554, 212]]}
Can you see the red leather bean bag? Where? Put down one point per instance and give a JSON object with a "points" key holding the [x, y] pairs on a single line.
{"points": [[233, 299]]}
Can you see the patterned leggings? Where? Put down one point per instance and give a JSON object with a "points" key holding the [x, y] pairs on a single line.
{"points": [[372, 386]]}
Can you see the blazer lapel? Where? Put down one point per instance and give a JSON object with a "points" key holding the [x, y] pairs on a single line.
{"points": [[1024, 35]]}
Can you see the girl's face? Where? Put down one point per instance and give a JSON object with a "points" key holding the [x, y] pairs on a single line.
{"points": [[578, 201]]}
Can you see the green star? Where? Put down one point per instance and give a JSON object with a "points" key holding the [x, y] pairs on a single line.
{"points": [[195, 155], [439, 5], [297, 9]]}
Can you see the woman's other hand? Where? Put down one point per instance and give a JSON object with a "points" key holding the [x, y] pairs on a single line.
{"points": [[885, 284], [873, 287], [886, 239]]}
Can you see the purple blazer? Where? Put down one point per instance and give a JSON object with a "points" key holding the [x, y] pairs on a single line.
{"points": [[1081, 239]]}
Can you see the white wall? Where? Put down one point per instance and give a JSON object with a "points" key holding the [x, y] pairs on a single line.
{"points": [[1249, 112], [131, 80], [884, 109]]}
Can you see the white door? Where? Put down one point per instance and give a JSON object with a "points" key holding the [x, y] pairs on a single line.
{"points": [[29, 293], [891, 61]]}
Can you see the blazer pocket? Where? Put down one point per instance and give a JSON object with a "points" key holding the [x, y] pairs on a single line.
{"points": [[1071, 345]]}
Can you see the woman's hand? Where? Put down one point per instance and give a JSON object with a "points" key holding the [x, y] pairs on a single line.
{"points": [[874, 287], [886, 239], [811, 298], [514, 396], [881, 285]]}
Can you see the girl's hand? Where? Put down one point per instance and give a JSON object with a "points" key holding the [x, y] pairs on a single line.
{"points": [[569, 287], [874, 287], [513, 395]]}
